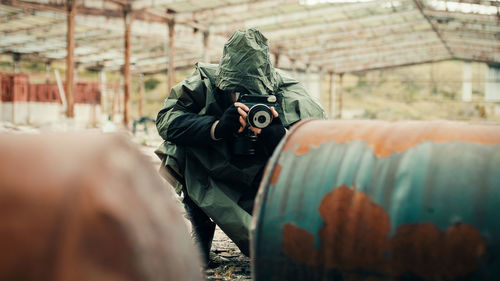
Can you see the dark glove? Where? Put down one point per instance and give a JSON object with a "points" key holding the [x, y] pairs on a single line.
{"points": [[228, 123], [272, 134]]}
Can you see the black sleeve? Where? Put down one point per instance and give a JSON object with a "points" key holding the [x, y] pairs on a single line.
{"points": [[191, 129]]}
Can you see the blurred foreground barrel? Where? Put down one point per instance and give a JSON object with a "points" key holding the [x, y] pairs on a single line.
{"points": [[87, 207], [373, 200]]}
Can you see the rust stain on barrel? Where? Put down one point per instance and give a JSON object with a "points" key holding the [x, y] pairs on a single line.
{"points": [[299, 243], [425, 250], [386, 138], [355, 236], [354, 233]]}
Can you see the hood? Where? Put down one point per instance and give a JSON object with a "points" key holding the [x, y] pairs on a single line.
{"points": [[245, 64]]}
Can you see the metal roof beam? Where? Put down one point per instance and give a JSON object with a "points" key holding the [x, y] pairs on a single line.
{"points": [[398, 59], [56, 41], [271, 11], [382, 66], [160, 63], [495, 3], [159, 68], [11, 15], [478, 57], [37, 28], [231, 9], [284, 21], [361, 42], [476, 28], [89, 11], [313, 12], [478, 47], [387, 56], [419, 5], [58, 8], [383, 29], [387, 53], [120, 2], [368, 47], [97, 43], [281, 33], [467, 17], [136, 56], [455, 39]]}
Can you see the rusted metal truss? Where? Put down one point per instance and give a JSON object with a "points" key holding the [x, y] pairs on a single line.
{"points": [[335, 36]]}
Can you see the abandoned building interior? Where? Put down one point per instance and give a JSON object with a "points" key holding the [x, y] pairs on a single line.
{"points": [[316, 40], [401, 181]]}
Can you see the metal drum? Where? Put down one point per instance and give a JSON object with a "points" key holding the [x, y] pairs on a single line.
{"points": [[88, 207], [374, 200]]}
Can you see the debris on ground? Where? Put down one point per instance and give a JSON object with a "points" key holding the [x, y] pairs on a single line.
{"points": [[237, 266]]}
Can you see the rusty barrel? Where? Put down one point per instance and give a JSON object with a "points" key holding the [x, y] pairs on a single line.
{"points": [[374, 200], [88, 207]]}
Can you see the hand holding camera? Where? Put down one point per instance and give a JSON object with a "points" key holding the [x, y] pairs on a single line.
{"points": [[256, 126], [228, 124], [272, 134], [257, 117], [257, 110]]}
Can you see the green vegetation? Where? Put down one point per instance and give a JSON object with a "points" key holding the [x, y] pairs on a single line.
{"points": [[421, 92], [151, 83]]}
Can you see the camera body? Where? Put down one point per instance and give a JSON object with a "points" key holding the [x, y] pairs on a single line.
{"points": [[259, 116]]}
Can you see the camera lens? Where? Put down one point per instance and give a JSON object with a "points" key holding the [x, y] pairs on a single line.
{"points": [[260, 116]]}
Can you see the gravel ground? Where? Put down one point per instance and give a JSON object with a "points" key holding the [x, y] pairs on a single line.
{"points": [[235, 266]]}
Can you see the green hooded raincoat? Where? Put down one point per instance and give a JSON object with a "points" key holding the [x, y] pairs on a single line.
{"points": [[213, 181]]}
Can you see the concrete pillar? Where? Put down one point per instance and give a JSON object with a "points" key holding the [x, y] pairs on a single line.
{"points": [[466, 82]]}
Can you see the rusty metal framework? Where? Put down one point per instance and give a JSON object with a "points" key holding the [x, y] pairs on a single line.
{"points": [[332, 35]]}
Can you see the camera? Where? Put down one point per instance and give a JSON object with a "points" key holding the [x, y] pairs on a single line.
{"points": [[259, 116]]}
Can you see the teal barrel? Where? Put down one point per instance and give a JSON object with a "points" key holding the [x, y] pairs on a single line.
{"points": [[374, 200]]}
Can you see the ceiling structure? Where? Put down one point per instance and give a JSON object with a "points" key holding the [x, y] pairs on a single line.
{"points": [[329, 35]]}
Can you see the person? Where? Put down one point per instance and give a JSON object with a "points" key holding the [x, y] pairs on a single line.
{"points": [[200, 121]]}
